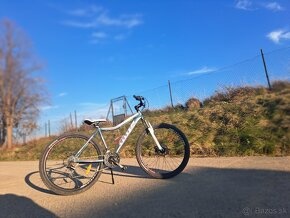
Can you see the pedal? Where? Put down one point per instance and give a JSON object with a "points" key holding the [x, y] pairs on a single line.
{"points": [[119, 165]]}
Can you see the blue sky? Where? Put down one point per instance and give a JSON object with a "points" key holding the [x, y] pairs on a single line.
{"points": [[97, 50]]}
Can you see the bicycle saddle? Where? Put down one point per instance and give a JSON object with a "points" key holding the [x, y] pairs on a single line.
{"points": [[90, 122]]}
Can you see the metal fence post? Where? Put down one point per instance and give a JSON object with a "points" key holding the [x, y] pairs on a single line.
{"points": [[48, 128], [266, 71], [76, 120], [45, 127], [169, 86]]}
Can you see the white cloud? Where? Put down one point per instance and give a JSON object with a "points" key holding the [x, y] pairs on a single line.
{"points": [[108, 26], [62, 94], [79, 24], [128, 21], [92, 110], [45, 108], [121, 36], [244, 5], [202, 70], [104, 20], [249, 5], [86, 12], [99, 35], [278, 35], [104, 25], [273, 6]]}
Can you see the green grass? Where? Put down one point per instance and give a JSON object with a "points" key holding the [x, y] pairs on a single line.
{"points": [[234, 122]]}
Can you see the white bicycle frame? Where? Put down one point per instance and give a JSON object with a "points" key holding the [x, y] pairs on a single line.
{"points": [[135, 118]]}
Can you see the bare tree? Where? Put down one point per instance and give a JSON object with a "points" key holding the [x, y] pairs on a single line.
{"points": [[65, 125], [21, 91]]}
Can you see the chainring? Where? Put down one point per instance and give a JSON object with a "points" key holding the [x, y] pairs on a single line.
{"points": [[110, 158]]}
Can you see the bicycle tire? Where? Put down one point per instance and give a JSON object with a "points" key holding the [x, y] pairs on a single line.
{"points": [[177, 150], [58, 176]]}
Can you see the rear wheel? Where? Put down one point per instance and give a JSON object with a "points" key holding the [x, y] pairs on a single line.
{"points": [[58, 167], [171, 160]]}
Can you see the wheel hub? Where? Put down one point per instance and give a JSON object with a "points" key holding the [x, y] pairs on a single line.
{"points": [[163, 152], [70, 162]]}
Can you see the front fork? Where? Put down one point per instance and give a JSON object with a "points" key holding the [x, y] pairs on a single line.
{"points": [[150, 130]]}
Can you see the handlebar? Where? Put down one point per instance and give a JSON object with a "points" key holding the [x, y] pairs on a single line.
{"points": [[141, 102], [138, 98]]}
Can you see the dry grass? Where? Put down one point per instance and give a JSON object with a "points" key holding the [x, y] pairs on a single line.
{"points": [[237, 121]]}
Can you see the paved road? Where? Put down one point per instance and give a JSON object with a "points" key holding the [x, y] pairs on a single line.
{"points": [[209, 187]]}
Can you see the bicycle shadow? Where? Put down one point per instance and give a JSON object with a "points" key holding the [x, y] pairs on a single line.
{"points": [[19, 206], [33, 180], [28, 180]]}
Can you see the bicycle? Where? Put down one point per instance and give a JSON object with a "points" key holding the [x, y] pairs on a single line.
{"points": [[73, 162]]}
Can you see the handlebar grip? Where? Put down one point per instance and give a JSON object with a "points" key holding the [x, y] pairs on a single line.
{"points": [[138, 98]]}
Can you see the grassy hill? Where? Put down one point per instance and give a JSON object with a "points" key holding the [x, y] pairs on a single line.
{"points": [[235, 121]]}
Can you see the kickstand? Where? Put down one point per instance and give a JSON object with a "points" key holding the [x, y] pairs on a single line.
{"points": [[113, 181]]}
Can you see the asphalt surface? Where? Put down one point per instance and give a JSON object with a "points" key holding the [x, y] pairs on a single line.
{"points": [[208, 187]]}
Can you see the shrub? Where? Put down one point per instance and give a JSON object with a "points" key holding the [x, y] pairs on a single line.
{"points": [[193, 103]]}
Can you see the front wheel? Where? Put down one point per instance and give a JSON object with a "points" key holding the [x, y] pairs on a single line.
{"points": [[171, 160], [63, 172]]}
